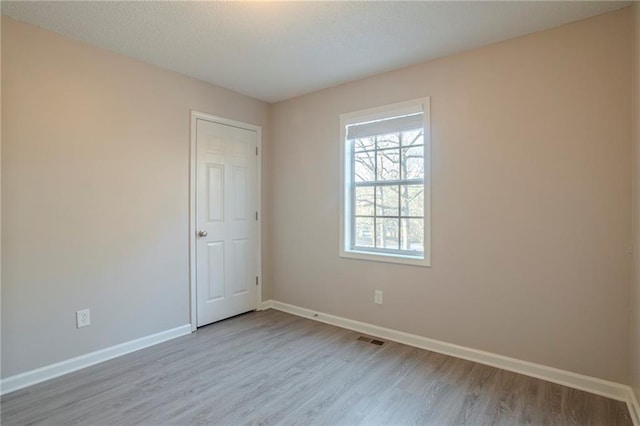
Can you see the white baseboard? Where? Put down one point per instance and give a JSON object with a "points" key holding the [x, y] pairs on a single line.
{"points": [[634, 407], [594, 385], [32, 377], [267, 304]]}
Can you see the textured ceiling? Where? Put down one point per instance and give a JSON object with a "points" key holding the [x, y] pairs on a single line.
{"points": [[277, 50]]}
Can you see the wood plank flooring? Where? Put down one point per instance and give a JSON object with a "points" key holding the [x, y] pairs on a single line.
{"points": [[274, 368]]}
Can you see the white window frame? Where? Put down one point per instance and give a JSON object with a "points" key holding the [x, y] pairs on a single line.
{"points": [[347, 185]]}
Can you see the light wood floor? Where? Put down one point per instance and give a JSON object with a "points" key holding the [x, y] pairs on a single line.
{"points": [[274, 368]]}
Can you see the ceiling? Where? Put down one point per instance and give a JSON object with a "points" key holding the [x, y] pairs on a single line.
{"points": [[278, 50]]}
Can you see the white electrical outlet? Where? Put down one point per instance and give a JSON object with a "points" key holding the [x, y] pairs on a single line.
{"points": [[83, 318], [378, 297]]}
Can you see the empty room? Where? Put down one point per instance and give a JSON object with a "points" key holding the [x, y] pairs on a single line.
{"points": [[320, 213]]}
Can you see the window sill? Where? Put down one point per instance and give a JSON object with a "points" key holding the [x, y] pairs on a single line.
{"points": [[387, 258]]}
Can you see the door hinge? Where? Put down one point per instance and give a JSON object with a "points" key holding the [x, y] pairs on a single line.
{"points": [[256, 215], [256, 150], [256, 280]]}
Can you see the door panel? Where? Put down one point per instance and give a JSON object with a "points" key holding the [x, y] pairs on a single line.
{"points": [[215, 192], [240, 284], [215, 274], [226, 205], [239, 192]]}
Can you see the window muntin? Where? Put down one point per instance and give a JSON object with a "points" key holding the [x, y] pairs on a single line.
{"points": [[387, 185]]}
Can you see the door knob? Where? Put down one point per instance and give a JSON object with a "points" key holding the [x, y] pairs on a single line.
{"points": [[202, 233]]}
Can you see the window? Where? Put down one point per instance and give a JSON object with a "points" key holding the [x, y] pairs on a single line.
{"points": [[385, 198]]}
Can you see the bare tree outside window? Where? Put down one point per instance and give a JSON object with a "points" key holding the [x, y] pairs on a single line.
{"points": [[388, 191]]}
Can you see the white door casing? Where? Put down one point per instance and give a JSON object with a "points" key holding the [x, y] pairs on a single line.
{"points": [[225, 228]]}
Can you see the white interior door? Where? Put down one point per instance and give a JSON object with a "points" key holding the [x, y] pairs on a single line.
{"points": [[226, 221]]}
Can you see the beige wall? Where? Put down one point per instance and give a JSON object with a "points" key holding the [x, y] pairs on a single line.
{"points": [[530, 201], [95, 161], [635, 340]]}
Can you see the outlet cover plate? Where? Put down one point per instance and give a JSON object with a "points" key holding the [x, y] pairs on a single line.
{"points": [[83, 318]]}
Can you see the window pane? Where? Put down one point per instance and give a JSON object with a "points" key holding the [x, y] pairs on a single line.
{"points": [[389, 164], [413, 137], [392, 140], [413, 163], [364, 200], [364, 235], [387, 233], [413, 234], [383, 206], [387, 201], [365, 166], [412, 200], [362, 144]]}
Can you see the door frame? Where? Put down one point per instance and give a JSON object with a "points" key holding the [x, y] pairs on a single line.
{"points": [[195, 115]]}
